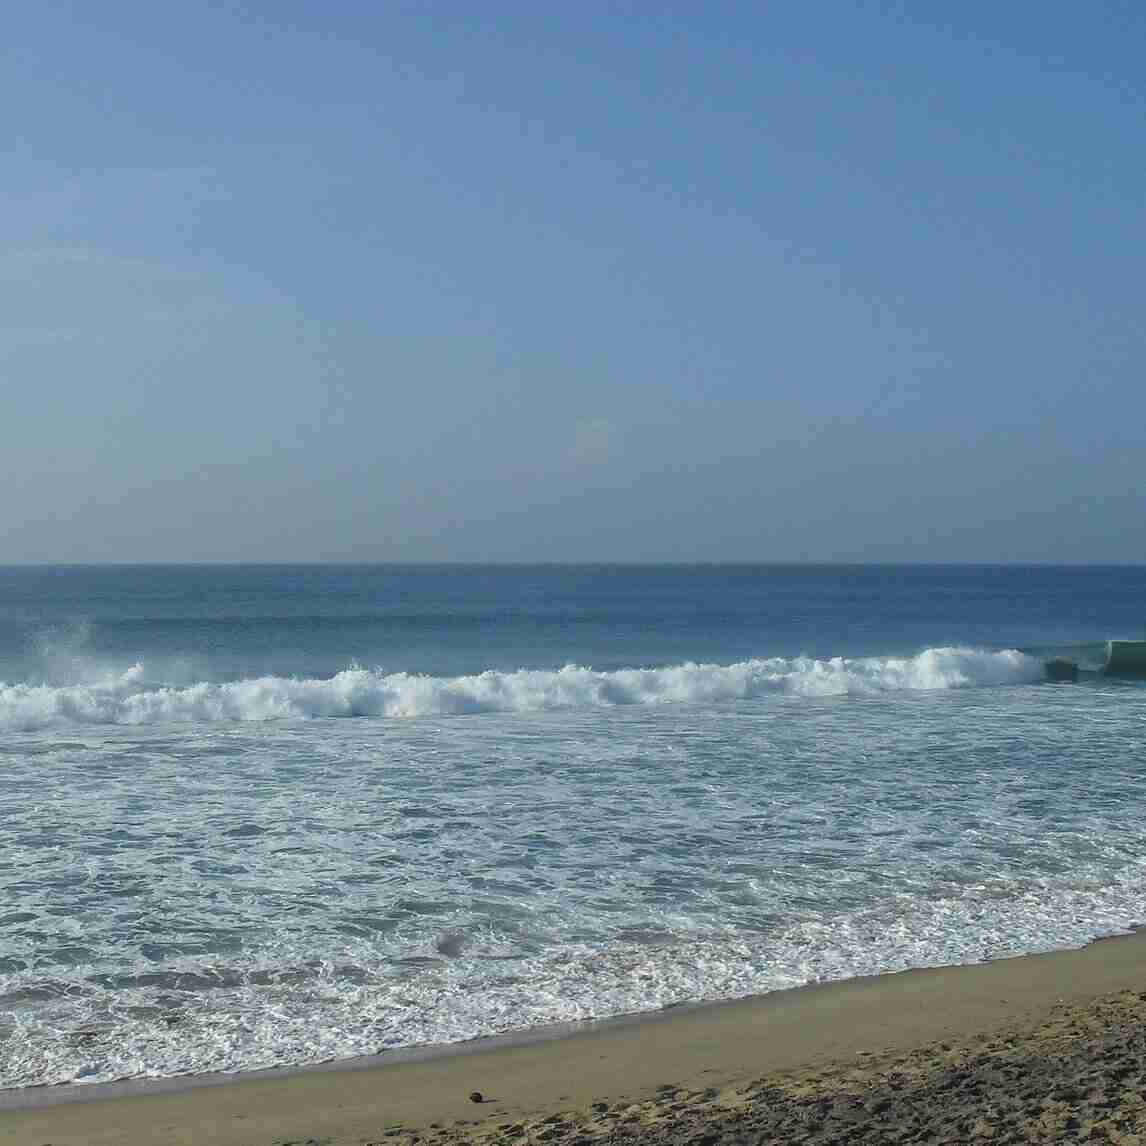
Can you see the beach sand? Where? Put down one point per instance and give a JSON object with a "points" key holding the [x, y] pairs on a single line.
{"points": [[1044, 1048]]}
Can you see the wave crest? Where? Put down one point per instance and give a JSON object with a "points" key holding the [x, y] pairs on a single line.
{"points": [[129, 699]]}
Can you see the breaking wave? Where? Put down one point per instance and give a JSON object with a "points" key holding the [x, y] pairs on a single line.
{"points": [[130, 699]]}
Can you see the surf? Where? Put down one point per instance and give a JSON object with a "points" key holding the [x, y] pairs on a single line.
{"points": [[130, 698]]}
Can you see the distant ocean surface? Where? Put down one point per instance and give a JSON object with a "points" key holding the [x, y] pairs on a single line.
{"points": [[261, 816]]}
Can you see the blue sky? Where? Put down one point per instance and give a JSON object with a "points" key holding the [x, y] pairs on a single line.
{"points": [[816, 282]]}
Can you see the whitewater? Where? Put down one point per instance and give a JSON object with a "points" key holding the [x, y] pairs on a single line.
{"points": [[128, 698], [267, 816]]}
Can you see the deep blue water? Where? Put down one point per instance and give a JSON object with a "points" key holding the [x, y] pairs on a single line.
{"points": [[452, 620], [266, 815]]}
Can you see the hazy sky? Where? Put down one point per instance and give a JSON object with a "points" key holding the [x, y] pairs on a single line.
{"points": [[541, 281]]}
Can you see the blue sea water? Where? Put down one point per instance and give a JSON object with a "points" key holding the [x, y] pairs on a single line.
{"points": [[259, 816]]}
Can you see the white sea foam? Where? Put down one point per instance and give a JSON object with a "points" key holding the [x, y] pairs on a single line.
{"points": [[278, 1007], [129, 699], [207, 897]]}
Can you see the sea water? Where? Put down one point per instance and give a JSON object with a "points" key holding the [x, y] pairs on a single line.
{"points": [[262, 816]]}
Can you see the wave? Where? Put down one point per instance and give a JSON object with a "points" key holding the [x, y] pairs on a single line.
{"points": [[128, 698]]}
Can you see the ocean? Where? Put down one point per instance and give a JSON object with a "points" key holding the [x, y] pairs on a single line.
{"points": [[258, 816]]}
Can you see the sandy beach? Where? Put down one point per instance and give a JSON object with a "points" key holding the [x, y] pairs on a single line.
{"points": [[1044, 1048]]}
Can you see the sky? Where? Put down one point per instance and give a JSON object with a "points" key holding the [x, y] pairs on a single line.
{"points": [[374, 281]]}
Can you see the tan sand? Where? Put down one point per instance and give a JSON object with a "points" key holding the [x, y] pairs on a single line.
{"points": [[1046, 1048]]}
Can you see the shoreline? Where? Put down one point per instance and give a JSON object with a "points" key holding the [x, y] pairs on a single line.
{"points": [[53, 1094], [708, 1049]]}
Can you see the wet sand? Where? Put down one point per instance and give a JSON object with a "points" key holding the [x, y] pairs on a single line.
{"points": [[1046, 1048]]}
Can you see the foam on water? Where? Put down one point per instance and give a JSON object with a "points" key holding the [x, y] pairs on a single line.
{"points": [[129, 698], [230, 896], [281, 1005]]}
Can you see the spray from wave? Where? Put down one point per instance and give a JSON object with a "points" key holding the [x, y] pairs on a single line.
{"points": [[128, 698]]}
